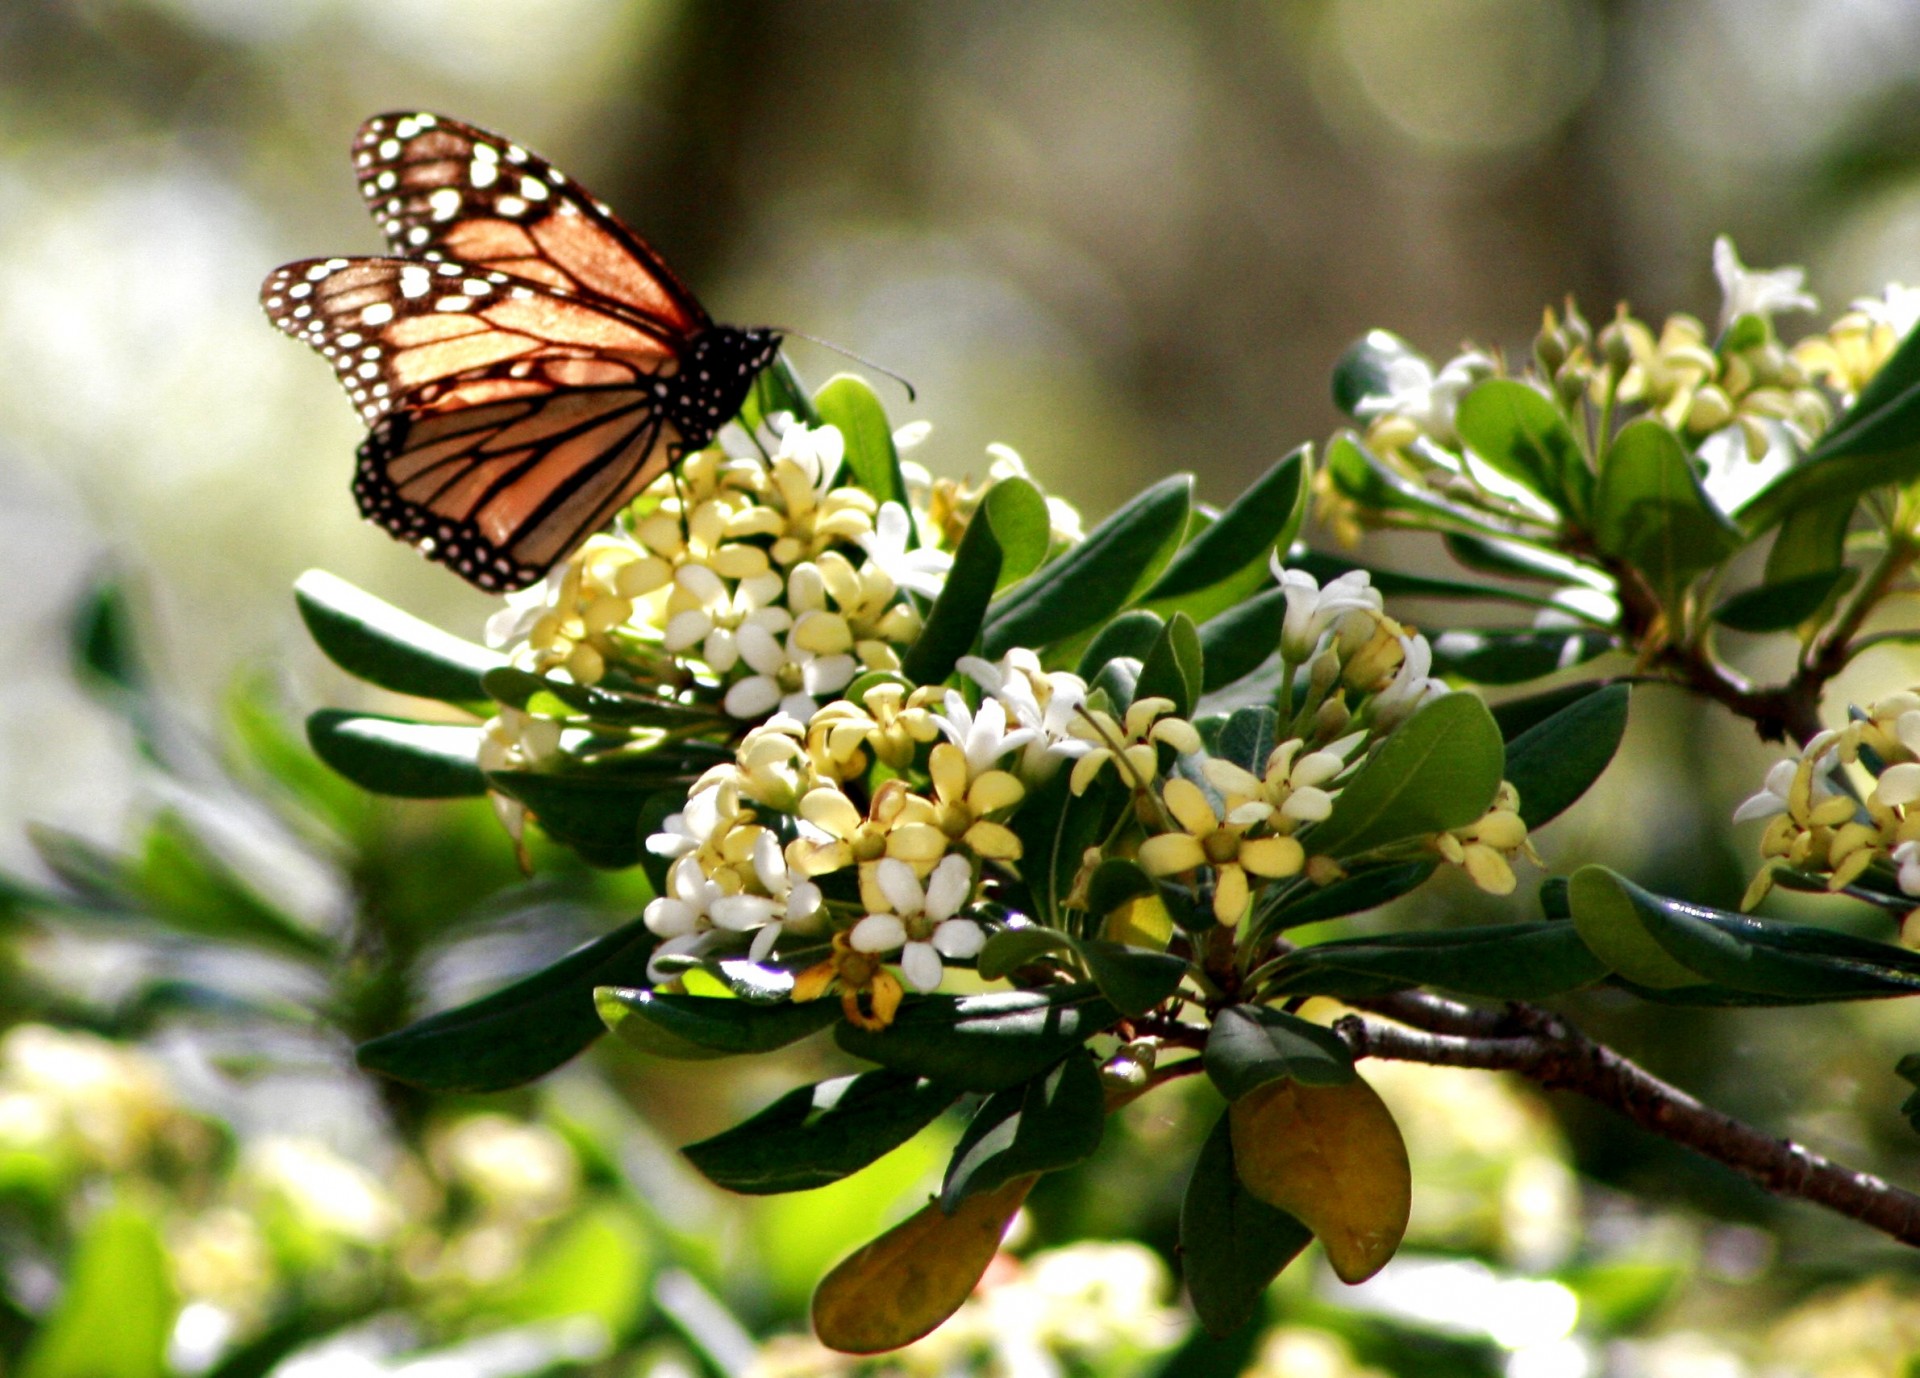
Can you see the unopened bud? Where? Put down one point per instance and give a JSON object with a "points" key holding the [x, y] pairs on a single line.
{"points": [[1616, 345], [1324, 672], [1711, 409], [1550, 348], [1579, 334], [1331, 718]]}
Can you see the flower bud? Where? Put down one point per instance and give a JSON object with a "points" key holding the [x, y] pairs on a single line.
{"points": [[1331, 719], [1550, 348], [1710, 411], [1616, 345]]}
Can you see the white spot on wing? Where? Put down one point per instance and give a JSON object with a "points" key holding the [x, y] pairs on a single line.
{"points": [[378, 314], [444, 203]]}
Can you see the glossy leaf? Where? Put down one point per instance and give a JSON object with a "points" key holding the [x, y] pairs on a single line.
{"points": [[1174, 667], [983, 1042], [116, 1310], [1012, 948], [1652, 512], [702, 1026], [1133, 633], [1055, 828], [1439, 770], [1393, 584], [394, 756], [1282, 908], [1006, 539], [1779, 607], [519, 1032], [821, 1133], [847, 401], [377, 642], [1520, 433], [1238, 641], [1049, 1122], [1357, 474], [1332, 1157], [1508, 961], [1811, 540], [1251, 1045], [1366, 368], [548, 696], [1134, 979], [1120, 558], [1670, 946], [1554, 761], [597, 816], [1513, 657], [1230, 557], [905, 1283], [1232, 1244]]}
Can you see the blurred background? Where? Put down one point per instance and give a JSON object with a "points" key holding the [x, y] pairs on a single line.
{"points": [[1123, 239]]}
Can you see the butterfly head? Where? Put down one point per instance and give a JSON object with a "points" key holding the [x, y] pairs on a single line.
{"points": [[716, 374]]}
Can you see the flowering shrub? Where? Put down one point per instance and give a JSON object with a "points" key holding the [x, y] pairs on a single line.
{"points": [[1032, 816]]}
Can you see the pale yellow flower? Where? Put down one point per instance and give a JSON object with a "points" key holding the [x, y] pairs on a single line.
{"points": [[1206, 840]]}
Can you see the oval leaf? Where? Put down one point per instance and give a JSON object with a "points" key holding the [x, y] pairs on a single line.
{"points": [[702, 1026], [1523, 435], [1232, 1244], [983, 1042], [1006, 539], [519, 1032], [846, 401], [1507, 961], [1332, 1157], [1251, 1045], [905, 1283], [1652, 512], [377, 642], [820, 1134], [1553, 762], [1439, 770], [394, 756], [1052, 1121]]}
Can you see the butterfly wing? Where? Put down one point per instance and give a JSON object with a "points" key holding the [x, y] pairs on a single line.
{"points": [[498, 484], [443, 189]]}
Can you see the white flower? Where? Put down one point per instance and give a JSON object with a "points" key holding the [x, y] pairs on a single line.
{"points": [[790, 900], [1771, 798], [519, 611], [1899, 785], [922, 571], [982, 737], [715, 620], [1311, 610], [1415, 391], [922, 923], [1046, 703], [1756, 291], [817, 450], [1907, 857], [792, 674], [1411, 687], [683, 916], [1898, 307], [690, 829]]}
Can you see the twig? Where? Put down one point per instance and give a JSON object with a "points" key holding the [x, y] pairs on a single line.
{"points": [[1546, 1049]]}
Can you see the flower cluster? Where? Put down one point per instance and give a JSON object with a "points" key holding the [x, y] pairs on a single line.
{"points": [[1847, 808]]}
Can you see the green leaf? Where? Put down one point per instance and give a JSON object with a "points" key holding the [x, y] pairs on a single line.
{"points": [[1553, 762], [1240, 640], [189, 888], [1174, 668], [1779, 607], [983, 1042], [1652, 512], [1811, 540], [269, 746], [1509, 961], [520, 1031], [1283, 908], [1133, 634], [116, 1312], [1119, 559], [1876, 442], [550, 697], [703, 1026], [1012, 948], [595, 1263], [106, 649], [1393, 584], [1116, 881], [1230, 556], [602, 818], [821, 1133], [847, 401], [1673, 947], [1055, 828], [1357, 474], [1248, 738], [1517, 715], [1521, 434], [1509, 558], [1006, 539], [1052, 1121], [375, 641], [1232, 1244], [1134, 979], [395, 756], [1251, 1045], [777, 388], [1513, 657], [1439, 770]]}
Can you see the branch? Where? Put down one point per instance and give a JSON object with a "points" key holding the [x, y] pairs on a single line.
{"points": [[1546, 1049]]}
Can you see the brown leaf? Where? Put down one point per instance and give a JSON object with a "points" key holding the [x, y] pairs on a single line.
{"points": [[905, 1283], [1332, 1157]]}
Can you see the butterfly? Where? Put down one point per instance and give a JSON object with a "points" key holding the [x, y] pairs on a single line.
{"points": [[525, 366]]}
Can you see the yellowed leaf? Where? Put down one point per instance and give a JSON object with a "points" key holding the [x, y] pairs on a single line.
{"points": [[1332, 1157], [905, 1283]]}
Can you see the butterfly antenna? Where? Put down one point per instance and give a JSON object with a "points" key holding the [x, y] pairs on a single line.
{"points": [[849, 354]]}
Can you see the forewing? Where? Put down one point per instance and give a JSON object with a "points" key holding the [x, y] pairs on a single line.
{"points": [[440, 188], [498, 486], [396, 329]]}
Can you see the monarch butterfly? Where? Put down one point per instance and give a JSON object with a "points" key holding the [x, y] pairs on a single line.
{"points": [[525, 367]]}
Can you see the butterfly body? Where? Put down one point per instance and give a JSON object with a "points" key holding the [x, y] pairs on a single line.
{"points": [[525, 369]]}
